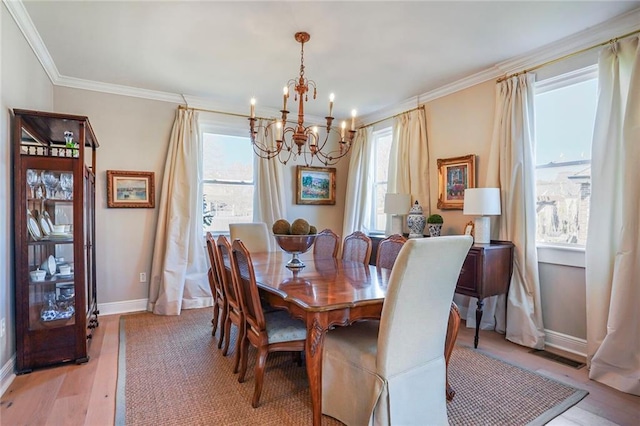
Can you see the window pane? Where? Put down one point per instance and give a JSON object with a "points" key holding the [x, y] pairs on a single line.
{"points": [[382, 148], [564, 129], [227, 157], [227, 181]]}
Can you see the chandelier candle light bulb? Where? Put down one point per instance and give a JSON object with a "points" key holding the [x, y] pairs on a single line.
{"points": [[331, 98], [353, 119], [344, 127], [253, 107]]}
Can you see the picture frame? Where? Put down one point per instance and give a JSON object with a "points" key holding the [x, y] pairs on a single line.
{"points": [[130, 189], [468, 228], [454, 176], [315, 185]]}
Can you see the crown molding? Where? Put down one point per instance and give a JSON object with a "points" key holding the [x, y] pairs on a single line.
{"points": [[23, 20], [616, 27], [623, 24], [117, 89]]}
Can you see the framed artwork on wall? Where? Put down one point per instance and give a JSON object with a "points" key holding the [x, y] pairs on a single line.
{"points": [[130, 189], [316, 185], [454, 176]]}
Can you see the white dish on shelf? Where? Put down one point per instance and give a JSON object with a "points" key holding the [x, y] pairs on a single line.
{"points": [[64, 276], [33, 227], [49, 265]]}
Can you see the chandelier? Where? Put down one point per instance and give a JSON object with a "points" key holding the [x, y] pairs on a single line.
{"points": [[295, 138]]}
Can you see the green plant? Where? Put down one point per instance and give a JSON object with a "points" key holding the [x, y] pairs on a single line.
{"points": [[435, 218]]}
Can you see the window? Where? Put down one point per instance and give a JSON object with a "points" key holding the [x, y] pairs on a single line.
{"points": [[227, 181], [381, 150], [565, 108]]}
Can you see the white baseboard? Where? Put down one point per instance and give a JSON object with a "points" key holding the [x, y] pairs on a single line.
{"points": [[565, 342], [123, 307], [7, 374]]}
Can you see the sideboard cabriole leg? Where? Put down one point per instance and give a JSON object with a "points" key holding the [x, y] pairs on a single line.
{"points": [[480, 304]]}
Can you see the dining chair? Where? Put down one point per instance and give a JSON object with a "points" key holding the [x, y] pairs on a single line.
{"points": [[388, 250], [357, 247], [235, 314], [217, 291], [272, 332], [255, 235], [394, 370], [326, 244]]}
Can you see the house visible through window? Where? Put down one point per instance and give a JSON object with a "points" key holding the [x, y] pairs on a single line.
{"points": [[381, 150], [565, 108], [227, 182]]}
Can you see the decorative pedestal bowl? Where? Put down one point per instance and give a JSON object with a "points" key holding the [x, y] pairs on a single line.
{"points": [[295, 245]]}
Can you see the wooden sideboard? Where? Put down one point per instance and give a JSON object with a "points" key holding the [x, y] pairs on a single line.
{"points": [[486, 272]]}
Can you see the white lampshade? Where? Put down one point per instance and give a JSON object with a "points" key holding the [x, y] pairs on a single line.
{"points": [[482, 202], [397, 203]]}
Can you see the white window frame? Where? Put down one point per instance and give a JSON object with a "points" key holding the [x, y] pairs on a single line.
{"points": [[564, 254], [227, 129]]}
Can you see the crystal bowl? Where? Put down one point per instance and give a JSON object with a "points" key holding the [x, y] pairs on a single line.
{"points": [[295, 245]]}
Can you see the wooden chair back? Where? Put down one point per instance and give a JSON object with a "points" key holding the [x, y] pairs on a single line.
{"points": [[357, 247], [388, 250], [247, 288], [217, 290], [326, 244]]}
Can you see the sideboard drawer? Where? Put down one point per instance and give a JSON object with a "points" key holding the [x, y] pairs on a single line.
{"points": [[468, 282]]}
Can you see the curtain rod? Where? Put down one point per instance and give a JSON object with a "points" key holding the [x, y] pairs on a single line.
{"points": [[393, 116], [586, 49], [233, 114]]}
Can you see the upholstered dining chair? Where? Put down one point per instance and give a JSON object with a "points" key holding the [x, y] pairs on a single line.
{"points": [[326, 244], [255, 235], [392, 373], [234, 308], [357, 247], [388, 250], [272, 332], [217, 291]]}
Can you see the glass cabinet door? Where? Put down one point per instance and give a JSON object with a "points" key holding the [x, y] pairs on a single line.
{"points": [[50, 239]]}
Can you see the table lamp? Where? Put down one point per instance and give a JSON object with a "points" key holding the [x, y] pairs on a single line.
{"points": [[482, 202], [397, 205]]}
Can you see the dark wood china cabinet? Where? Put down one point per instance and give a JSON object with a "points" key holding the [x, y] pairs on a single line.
{"points": [[54, 164]]}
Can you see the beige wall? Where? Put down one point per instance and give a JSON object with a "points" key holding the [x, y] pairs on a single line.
{"points": [[23, 84], [134, 135]]}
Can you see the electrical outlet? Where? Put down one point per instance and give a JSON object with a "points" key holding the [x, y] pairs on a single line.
{"points": [[143, 277], [3, 327]]}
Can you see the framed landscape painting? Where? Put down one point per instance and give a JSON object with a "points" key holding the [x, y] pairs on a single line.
{"points": [[316, 185], [454, 176], [130, 189]]}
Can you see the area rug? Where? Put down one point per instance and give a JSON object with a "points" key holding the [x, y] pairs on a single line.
{"points": [[171, 372]]}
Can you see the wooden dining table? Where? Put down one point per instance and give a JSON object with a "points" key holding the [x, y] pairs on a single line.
{"points": [[325, 293]]}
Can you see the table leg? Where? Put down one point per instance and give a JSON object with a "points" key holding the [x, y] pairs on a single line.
{"points": [[316, 329], [480, 304]]}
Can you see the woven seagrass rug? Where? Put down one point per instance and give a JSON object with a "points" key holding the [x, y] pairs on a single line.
{"points": [[171, 372]]}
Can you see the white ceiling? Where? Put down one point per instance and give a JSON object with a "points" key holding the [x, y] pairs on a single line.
{"points": [[372, 55]]}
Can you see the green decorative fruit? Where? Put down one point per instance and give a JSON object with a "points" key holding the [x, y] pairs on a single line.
{"points": [[313, 230], [281, 227], [300, 227]]}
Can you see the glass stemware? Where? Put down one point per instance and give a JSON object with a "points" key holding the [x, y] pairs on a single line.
{"points": [[50, 181], [33, 180], [66, 184]]}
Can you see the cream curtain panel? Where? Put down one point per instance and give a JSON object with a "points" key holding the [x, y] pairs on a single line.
{"points": [[511, 167], [179, 266], [357, 208], [409, 159], [269, 198], [613, 247]]}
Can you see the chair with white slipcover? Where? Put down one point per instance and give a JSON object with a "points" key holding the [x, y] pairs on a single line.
{"points": [[254, 235], [393, 371]]}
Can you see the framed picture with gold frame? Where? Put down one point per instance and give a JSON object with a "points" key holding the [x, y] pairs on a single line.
{"points": [[454, 176], [468, 228], [130, 189], [316, 185]]}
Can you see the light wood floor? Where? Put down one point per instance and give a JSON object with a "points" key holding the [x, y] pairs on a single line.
{"points": [[85, 394]]}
